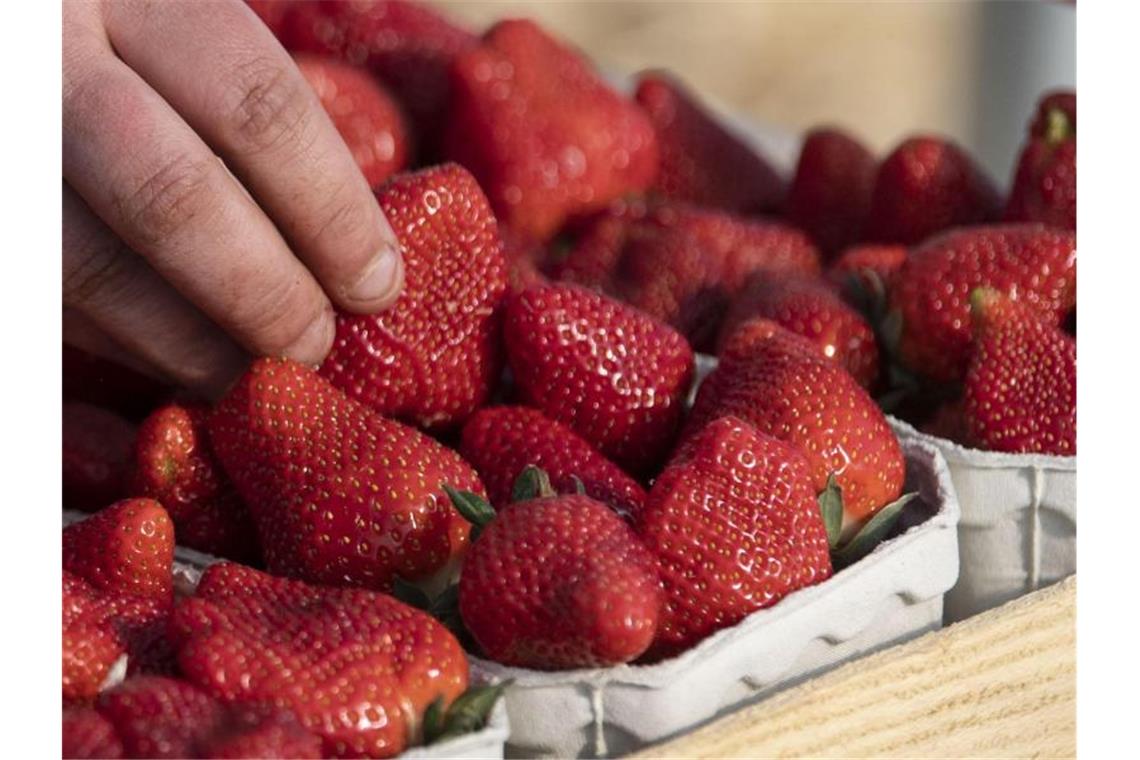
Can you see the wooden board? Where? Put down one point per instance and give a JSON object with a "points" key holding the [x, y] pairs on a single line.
{"points": [[1002, 684]]}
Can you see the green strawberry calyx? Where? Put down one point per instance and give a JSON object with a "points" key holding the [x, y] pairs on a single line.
{"points": [[468, 713], [870, 535]]}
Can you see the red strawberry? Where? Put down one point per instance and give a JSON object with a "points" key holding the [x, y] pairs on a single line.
{"points": [[556, 583], [931, 290], [866, 261], [356, 667], [758, 331], [1045, 181], [949, 422], [613, 374], [339, 494], [368, 120], [927, 185], [1021, 386], [434, 357], [525, 260], [598, 242], [271, 12], [701, 161], [812, 309], [175, 464], [501, 441], [406, 44], [784, 388], [831, 193], [87, 734], [97, 445], [735, 526], [545, 136], [127, 548]]}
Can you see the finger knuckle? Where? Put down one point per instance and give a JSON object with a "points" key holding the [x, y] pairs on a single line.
{"points": [[345, 222], [270, 108], [170, 198], [278, 318], [99, 274]]}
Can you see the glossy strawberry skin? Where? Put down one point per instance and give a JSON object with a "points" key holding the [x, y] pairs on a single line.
{"points": [[927, 185], [433, 357], [127, 548], [501, 441], [702, 162], [588, 596], [356, 667], [87, 734], [931, 290], [339, 494], [784, 387], [545, 136], [1021, 386], [1045, 179], [735, 526], [830, 194], [97, 446], [614, 375], [175, 465], [367, 118]]}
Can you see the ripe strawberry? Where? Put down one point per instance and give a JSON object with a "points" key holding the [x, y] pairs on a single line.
{"points": [[758, 331], [545, 136], [87, 734], [127, 548], [701, 161], [735, 526], [355, 667], [931, 290], [784, 388], [1021, 386], [811, 308], [1045, 181], [865, 262], [830, 195], [97, 446], [927, 185], [175, 464], [339, 494], [524, 259], [617, 377], [501, 441], [598, 240], [556, 583], [434, 357], [368, 120]]}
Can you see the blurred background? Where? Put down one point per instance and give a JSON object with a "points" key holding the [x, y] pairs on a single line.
{"points": [[883, 70]]}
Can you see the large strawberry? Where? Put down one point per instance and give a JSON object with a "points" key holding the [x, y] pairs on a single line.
{"points": [[368, 120], [613, 374], [735, 526], [556, 582], [545, 136], [501, 441], [356, 667], [1045, 180], [701, 161], [785, 387], [831, 193], [127, 548], [175, 464], [1021, 385], [926, 185], [433, 357], [931, 290], [96, 456], [339, 494]]}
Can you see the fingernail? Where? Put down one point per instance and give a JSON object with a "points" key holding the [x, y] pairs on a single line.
{"points": [[382, 279]]}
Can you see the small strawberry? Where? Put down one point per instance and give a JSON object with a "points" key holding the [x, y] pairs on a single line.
{"points": [[735, 526], [356, 667], [557, 582], [127, 548], [545, 136], [368, 120], [702, 162], [931, 290], [97, 445], [175, 464], [1045, 181], [339, 494], [830, 196], [87, 734], [784, 387], [501, 441], [927, 185], [811, 308], [1021, 385], [597, 243], [615, 376]]}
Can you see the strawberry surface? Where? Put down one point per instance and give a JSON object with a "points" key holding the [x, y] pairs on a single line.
{"points": [[1045, 179], [125, 549], [97, 446]]}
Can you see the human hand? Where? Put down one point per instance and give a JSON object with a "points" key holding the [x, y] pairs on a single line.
{"points": [[173, 260]]}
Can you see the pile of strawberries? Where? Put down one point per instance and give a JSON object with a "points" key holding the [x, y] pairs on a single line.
{"points": [[511, 447]]}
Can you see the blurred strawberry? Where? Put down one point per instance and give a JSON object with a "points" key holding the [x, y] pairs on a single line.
{"points": [[1045, 181], [100, 382], [271, 12], [872, 266], [97, 446], [87, 734]]}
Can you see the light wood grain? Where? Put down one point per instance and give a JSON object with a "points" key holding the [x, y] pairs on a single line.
{"points": [[1002, 684]]}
